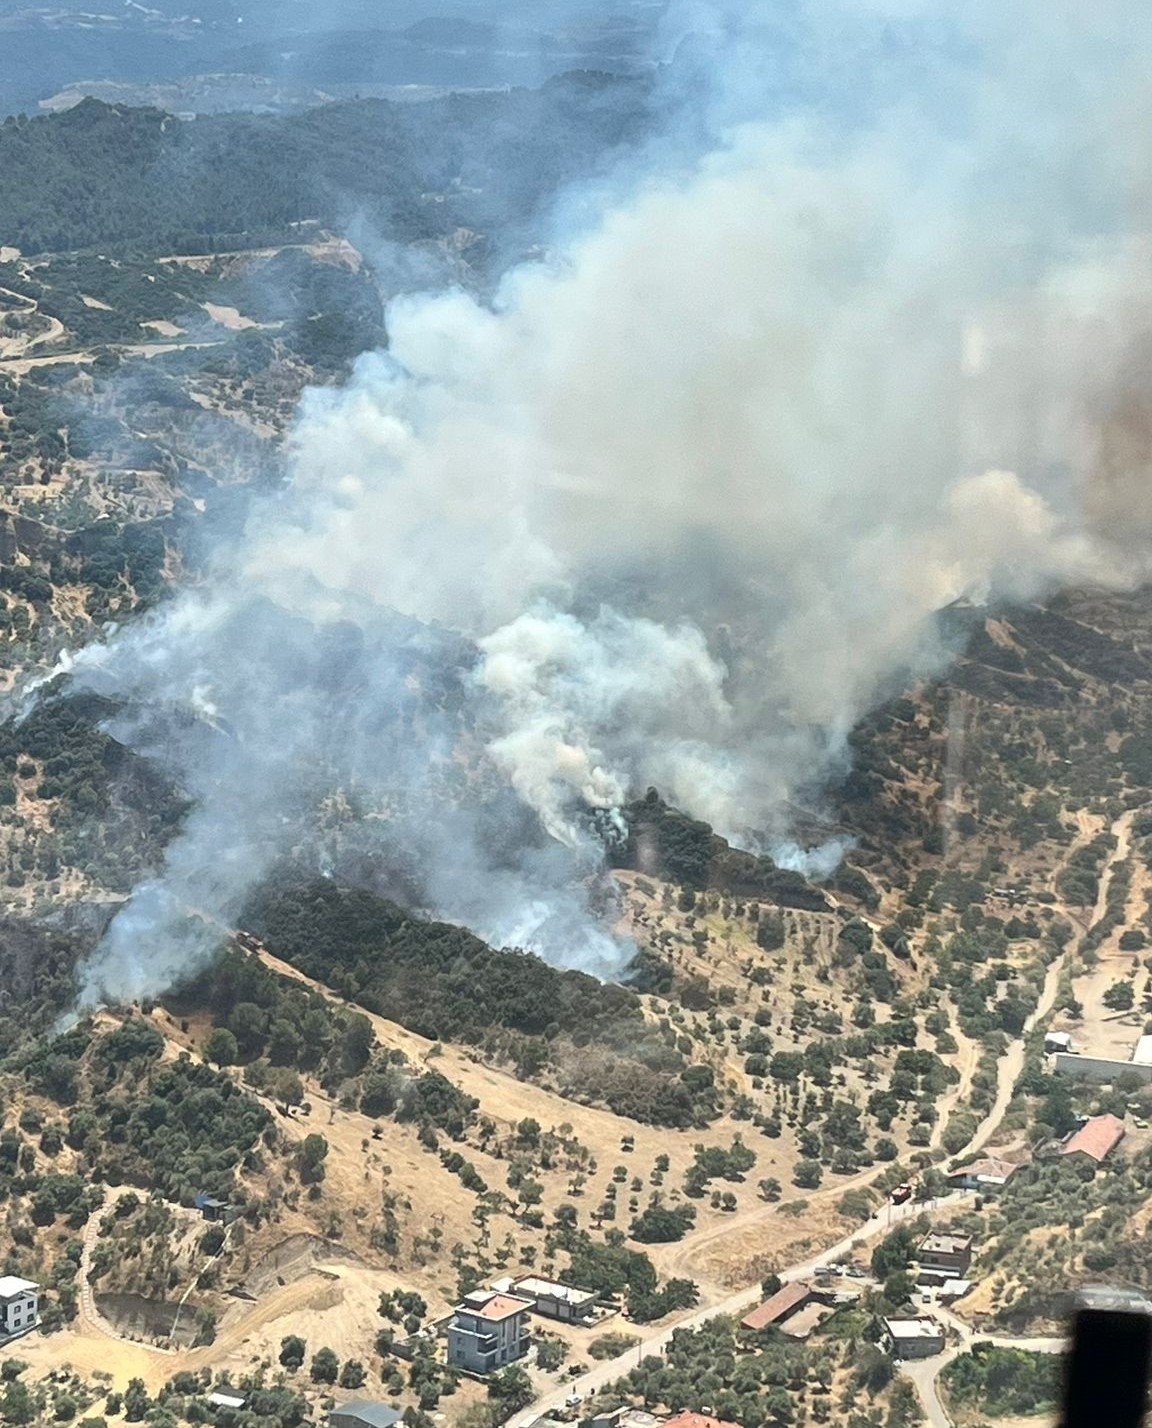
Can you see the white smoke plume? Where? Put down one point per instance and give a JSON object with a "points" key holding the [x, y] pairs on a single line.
{"points": [[837, 351]]}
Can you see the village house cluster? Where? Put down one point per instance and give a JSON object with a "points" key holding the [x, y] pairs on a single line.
{"points": [[489, 1328], [942, 1265]]}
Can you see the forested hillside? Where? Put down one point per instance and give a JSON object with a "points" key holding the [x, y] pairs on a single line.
{"points": [[100, 174]]}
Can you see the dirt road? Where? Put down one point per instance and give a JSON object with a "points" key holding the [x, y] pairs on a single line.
{"points": [[1012, 1064]]}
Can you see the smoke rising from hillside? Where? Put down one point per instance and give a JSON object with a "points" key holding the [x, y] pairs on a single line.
{"points": [[692, 488]]}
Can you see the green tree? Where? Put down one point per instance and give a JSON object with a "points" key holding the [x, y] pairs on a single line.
{"points": [[511, 1390], [17, 1404], [661, 1224], [874, 1369], [136, 1401], [899, 1288], [807, 1174], [528, 1133], [352, 1375], [221, 1048], [1120, 996], [894, 1252], [285, 1086], [313, 1152], [325, 1366], [248, 1023], [550, 1354], [292, 1351]]}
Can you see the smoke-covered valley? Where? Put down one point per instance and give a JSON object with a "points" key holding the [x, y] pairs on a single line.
{"points": [[680, 501]]}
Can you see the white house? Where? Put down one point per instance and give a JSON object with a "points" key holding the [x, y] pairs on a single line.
{"points": [[551, 1298], [19, 1306], [488, 1331]]}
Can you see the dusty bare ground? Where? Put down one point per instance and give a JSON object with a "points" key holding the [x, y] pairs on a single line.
{"points": [[229, 317]]}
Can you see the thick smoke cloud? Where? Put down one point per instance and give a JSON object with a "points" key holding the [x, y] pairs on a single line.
{"points": [[866, 334]]}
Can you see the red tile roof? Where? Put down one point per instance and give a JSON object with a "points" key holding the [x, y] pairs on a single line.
{"points": [[1097, 1137], [688, 1419], [782, 1303]]}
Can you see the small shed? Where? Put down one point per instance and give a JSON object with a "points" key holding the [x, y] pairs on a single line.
{"points": [[213, 1209]]}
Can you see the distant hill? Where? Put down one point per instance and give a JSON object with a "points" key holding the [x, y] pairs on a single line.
{"points": [[352, 42], [103, 174]]}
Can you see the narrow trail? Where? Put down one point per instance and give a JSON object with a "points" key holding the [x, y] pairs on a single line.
{"points": [[1012, 1064], [19, 363], [17, 347]]}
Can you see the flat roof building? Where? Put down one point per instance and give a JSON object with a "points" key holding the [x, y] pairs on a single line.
{"points": [[626, 1417], [950, 1252], [554, 1299], [1100, 1069], [914, 1338]]}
